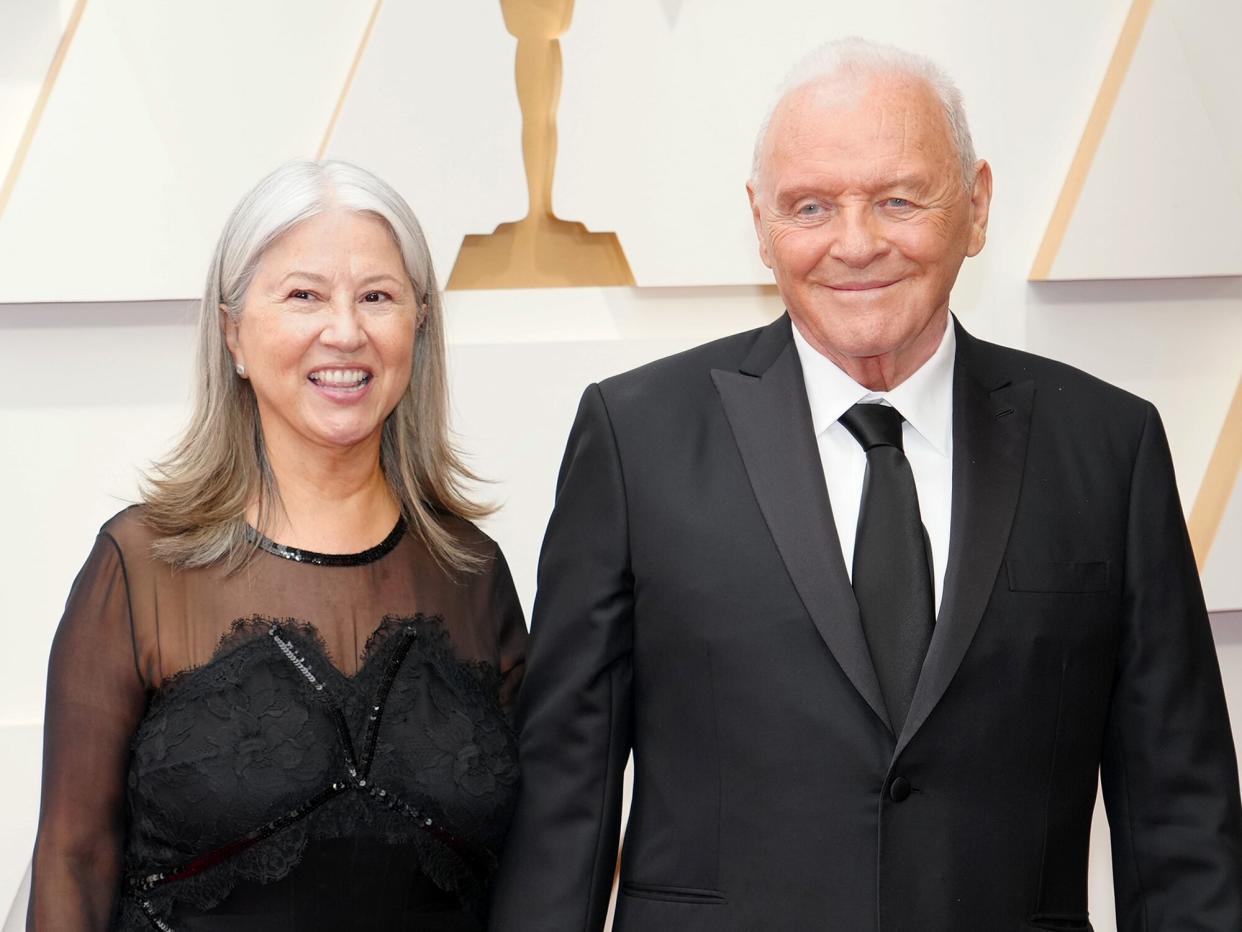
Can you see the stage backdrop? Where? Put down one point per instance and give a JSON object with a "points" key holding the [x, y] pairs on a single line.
{"points": [[128, 129]]}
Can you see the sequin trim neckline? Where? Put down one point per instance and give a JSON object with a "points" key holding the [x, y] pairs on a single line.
{"points": [[383, 548]]}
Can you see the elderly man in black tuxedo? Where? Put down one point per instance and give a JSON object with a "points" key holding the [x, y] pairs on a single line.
{"points": [[873, 603]]}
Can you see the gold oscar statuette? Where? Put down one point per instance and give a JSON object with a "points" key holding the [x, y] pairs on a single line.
{"points": [[540, 250]]}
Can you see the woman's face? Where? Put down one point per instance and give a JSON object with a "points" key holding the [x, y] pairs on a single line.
{"points": [[326, 334]]}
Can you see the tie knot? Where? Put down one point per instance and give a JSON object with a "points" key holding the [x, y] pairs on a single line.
{"points": [[874, 425]]}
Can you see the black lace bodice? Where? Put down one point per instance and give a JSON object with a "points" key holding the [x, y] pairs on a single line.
{"points": [[240, 764], [267, 786]]}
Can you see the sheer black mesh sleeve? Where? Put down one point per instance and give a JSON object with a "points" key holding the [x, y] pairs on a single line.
{"points": [[95, 698], [511, 631]]}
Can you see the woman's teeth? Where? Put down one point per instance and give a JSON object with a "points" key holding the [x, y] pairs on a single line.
{"points": [[340, 378]]}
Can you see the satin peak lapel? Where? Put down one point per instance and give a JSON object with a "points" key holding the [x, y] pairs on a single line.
{"points": [[767, 409], [991, 423]]}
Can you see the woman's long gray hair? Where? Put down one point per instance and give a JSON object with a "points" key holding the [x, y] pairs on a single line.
{"points": [[196, 498]]}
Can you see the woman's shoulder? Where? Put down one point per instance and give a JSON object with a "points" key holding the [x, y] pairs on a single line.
{"points": [[486, 568], [469, 536], [130, 531]]}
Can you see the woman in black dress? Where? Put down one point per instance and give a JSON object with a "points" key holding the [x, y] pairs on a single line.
{"points": [[277, 696]]}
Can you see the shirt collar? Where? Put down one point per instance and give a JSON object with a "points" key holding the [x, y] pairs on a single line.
{"points": [[925, 399]]}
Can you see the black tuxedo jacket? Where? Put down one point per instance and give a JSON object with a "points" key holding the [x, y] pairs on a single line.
{"points": [[694, 608]]}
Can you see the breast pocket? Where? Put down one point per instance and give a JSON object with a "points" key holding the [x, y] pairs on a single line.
{"points": [[642, 907], [1057, 577], [1056, 924], [666, 894]]}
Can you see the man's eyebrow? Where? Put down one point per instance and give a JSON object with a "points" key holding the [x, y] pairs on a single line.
{"points": [[803, 187], [798, 188], [914, 181]]}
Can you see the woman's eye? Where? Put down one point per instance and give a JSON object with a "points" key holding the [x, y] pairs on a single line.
{"points": [[300, 294], [374, 297]]}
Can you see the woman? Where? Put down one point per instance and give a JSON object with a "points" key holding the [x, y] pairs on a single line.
{"points": [[276, 698]]}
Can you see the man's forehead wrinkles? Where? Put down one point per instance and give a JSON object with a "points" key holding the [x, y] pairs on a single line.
{"points": [[832, 179], [891, 139]]}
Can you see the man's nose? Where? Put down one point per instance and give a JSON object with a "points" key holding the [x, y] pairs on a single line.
{"points": [[857, 239], [343, 329]]}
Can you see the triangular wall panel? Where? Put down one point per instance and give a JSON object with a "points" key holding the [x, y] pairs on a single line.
{"points": [[432, 111], [1160, 196], [28, 42], [157, 124], [1222, 573]]}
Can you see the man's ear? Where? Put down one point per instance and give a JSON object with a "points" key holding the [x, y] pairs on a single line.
{"points": [[758, 221], [980, 205]]}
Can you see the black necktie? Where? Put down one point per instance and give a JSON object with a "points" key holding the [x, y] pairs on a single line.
{"points": [[892, 578]]}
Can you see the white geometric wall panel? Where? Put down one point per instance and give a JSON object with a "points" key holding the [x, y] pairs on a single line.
{"points": [[433, 111], [1163, 195], [162, 116], [662, 98], [29, 31], [21, 752], [1222, 574]]}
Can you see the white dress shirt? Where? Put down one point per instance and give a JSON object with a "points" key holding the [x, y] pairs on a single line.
{"points": [[925, 400]]}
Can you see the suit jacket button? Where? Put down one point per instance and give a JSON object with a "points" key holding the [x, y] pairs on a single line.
{"points": [[899, 790]]}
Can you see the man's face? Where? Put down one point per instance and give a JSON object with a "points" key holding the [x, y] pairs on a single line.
{"points": [[862, 215]]}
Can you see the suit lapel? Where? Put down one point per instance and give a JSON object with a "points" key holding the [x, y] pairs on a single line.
{"points": [[768, 411], [991, 423]]}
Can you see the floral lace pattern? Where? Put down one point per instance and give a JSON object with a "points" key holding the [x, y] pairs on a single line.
{"points": [[242, 763]]}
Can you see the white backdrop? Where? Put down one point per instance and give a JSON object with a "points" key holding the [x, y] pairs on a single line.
{"points": [[103, 390], [121, 203]]}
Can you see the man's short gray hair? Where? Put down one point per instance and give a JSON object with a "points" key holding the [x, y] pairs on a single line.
{"points": [[855, 58]]}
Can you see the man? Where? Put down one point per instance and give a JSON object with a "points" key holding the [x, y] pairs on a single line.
{"points": [[872, 602]]}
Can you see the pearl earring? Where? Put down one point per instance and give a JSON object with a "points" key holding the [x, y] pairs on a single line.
{"points": [[241, 370]]}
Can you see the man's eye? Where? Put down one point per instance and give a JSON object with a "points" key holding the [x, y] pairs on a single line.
{"points": [[900, 203], [810, 210]]}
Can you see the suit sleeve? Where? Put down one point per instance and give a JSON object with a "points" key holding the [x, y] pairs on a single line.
{"points": [[1169, 770], [574, 706]]}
